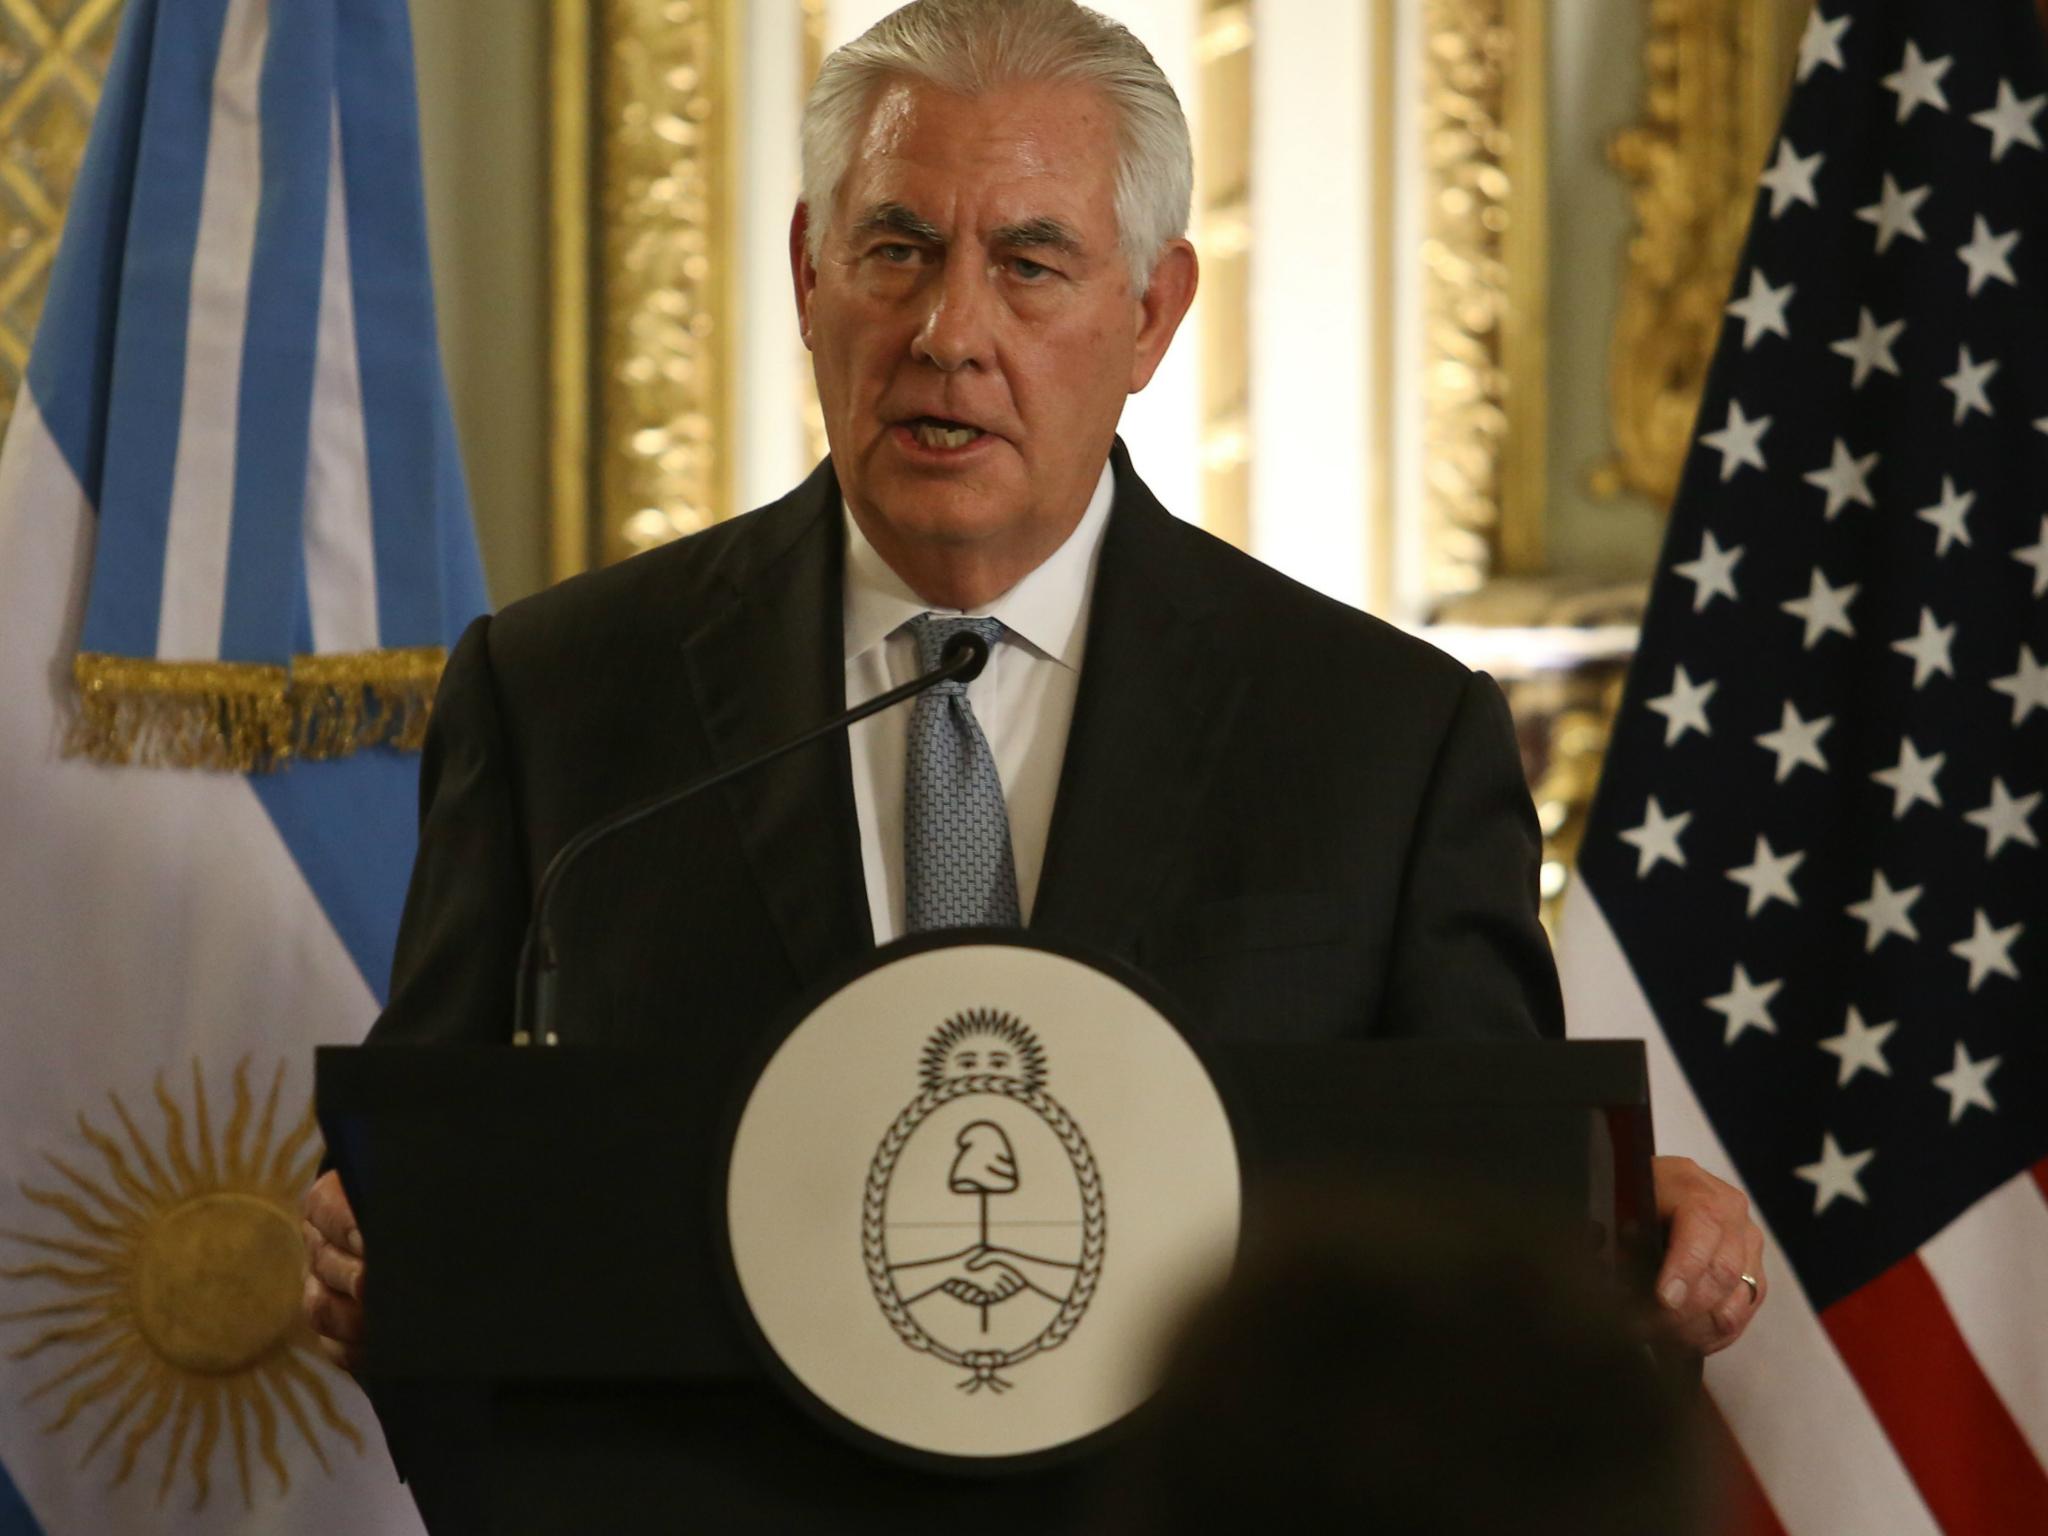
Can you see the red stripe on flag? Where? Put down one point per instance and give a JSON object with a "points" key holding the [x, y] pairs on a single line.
{"points": [[1743, 1508], [1942, 1416]]}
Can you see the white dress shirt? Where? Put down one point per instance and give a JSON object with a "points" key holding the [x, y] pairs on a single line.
{"points": [[1024, 698]]}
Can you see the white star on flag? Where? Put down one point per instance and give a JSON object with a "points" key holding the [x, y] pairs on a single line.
{"points": [[1768, 877], [1763, 311], [2010, 121], [1825, 609], [1988, 949], [1837, 1176], [1988, 256], [1911, 779], [1895, 213], [1885, 912], [1657, 838], [1947, 516], [1712, 574], [1790, 178], [2026, 687], [1917, 82], [1870, 348], [1796, 741], [1821, 43], [2005, 819], [1738, 441], [1967, 385], [1929, 649], [2036, 555], [1846, 479], [1967, 1084], [1746, 1005], [1860, 1047], [1684, 708]]}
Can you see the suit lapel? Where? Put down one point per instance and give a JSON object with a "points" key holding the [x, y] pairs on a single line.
{"points": [[767, 666], [1155, 706]]}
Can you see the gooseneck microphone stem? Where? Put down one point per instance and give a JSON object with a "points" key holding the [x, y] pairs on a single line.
{"points": [[533, 1006]]}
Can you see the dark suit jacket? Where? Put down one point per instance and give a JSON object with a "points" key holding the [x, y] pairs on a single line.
{"points": [[1302, 823]]}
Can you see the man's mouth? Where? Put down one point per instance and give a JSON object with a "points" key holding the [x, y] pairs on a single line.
{"points": [[938, 432]]}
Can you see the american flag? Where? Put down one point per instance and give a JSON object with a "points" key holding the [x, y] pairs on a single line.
{"points": [[1815, 876]]}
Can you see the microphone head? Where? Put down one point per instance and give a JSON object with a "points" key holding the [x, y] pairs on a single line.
{"points": [[965, 654]]}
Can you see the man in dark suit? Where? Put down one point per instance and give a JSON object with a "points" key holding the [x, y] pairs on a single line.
{"points": [[1301, 822]]}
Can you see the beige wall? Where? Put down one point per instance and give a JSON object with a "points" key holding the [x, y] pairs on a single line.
{"points": [[483, 127]]}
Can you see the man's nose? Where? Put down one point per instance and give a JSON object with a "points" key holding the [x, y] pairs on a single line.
{"points": [[958, 330]]}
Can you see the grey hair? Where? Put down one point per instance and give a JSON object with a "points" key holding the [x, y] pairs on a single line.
{"points": [[973, 46]]}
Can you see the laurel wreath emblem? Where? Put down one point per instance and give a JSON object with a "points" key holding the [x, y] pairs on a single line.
{"points": [[984, 1364]]}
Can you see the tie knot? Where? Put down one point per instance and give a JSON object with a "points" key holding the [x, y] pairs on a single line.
{"points": [[931, 635]]}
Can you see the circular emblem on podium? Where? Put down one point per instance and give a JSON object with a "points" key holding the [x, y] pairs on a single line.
{"points": [[971, 1194]]}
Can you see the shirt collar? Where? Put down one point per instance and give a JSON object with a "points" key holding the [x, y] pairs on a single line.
{"points": [[1047, 610]]}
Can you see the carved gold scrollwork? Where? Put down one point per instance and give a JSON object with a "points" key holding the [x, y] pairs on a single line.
{"points": [[1483, 286], [1714, 75], [52, 60], [665, 342]]}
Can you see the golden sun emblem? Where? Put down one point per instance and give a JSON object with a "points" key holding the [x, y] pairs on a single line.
{"points": [[178, 1288]]}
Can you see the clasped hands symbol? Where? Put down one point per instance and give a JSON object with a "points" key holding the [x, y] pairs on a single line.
{"points": [[982, 1275]]}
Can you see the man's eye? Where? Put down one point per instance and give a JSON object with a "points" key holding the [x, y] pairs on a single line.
{"points": [[1031, 271], [896, 253]]}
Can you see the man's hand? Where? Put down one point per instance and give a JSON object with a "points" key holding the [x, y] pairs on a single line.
{"points": [[333, 1300], [1714, 1244]]}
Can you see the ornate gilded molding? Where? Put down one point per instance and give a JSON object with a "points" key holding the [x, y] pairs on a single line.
{"points": [[50, 75], [1483, 286], [1223, 233], [1714, 79], [643, 220]]}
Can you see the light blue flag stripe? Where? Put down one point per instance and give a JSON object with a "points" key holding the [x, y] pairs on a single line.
{"points": [[72, 362], [403, 397], [267, 533], [329, 814], [147, 380]]}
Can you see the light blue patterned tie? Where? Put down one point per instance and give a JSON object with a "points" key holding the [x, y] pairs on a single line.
{"points": [[958, 870]]}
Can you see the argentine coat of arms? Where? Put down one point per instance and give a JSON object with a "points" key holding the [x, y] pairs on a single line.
{"points": [[983, 1224]]}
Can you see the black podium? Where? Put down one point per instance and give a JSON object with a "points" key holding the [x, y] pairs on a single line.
{"points": [[556, 1344]]}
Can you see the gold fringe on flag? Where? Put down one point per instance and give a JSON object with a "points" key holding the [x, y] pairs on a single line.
{"points": [[244, 717]]}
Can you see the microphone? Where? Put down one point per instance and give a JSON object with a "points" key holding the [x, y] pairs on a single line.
{"points": [[533, 1006]]}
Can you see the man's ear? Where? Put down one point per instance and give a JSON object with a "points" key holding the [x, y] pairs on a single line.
{"points": [[1162, 307], [803, 272]]}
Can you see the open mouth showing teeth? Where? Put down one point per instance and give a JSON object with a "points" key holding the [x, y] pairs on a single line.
{"points": [[936, 432]]}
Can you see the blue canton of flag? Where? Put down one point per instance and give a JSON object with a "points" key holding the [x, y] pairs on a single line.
{"points": [[1814, 875], [234, 539]]}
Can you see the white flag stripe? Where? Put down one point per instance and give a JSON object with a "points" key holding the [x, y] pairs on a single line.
{"points": [[203, 478], [341, 561], [164, 912], [1991, 1266], [1819, 1453]]}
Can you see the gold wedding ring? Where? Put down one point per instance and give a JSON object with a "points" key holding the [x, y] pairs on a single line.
{"points": [[1755, 1295]]}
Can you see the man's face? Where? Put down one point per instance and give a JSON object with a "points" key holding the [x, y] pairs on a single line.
{"points": [[972, 322]]}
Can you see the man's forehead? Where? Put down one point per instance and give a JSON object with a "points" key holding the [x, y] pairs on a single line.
{"points": [[1016, 154]]}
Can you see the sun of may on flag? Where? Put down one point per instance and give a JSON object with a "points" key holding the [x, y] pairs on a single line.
{"points": [[1814, 877], [234, 545]]}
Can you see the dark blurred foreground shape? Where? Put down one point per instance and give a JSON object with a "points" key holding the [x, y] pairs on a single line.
{"points": [[1416, 1363]]}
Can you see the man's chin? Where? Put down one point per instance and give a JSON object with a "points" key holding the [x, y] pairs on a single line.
{"points": [[953, 509]]}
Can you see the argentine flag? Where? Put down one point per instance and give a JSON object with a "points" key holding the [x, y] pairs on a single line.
{"points": [[234, 541]]}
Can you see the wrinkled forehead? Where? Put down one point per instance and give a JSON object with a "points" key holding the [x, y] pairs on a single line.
{"points": [[1006, 157]]}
